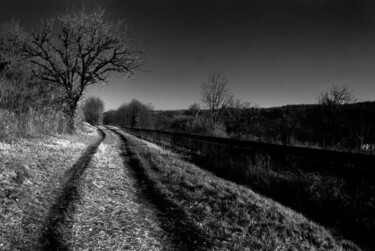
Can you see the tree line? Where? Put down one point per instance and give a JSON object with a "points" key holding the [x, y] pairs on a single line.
{"points": [[337, 121]]}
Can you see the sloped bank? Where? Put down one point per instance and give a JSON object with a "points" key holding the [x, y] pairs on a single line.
{"points": [[227, 215]]}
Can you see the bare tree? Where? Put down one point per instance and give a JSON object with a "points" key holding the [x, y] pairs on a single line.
{"points": [[134, 114], [216, 97], [93, 110], [337, 95], [82, 49], [18, 92], [193, 111], [12, 40]]}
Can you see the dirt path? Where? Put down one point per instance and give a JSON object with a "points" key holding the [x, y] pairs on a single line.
{"points": [[183, 237], [56, 224], [114, 213]]}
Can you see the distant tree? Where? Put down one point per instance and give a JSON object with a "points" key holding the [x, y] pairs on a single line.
{"points": [[134, 114], [193, 110], [193, 113], [337, 95], [109, 117], [216, 98], [82, 49], [93, 110]]}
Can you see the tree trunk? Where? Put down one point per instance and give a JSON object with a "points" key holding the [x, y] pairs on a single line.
{"points": [[71, 115], [71, 125]]}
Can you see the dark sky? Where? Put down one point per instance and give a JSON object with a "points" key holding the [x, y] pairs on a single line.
{"points": [[273, 52]]}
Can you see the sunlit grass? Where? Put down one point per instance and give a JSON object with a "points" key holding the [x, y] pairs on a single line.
{"points": [[227, 215], [31, 171]]}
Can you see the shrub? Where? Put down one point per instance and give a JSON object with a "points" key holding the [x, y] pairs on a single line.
{"points": [[93, 111]]}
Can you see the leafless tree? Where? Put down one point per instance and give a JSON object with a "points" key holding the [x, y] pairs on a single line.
{"points": [[337, 95], [216, 97], [17, 91], [12, 40], [194, 110], [80, 49], [134, 114]]}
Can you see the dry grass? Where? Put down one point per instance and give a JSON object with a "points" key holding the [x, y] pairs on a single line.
{"points": [[227, 215], [31, 123], [31, 171], [110, 214]]}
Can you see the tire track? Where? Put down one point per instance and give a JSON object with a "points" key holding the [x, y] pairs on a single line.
{"points": [[52, 238], [183, 237]]}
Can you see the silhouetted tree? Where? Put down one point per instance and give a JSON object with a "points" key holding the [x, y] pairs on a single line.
{"points": [[337, 95], [193, 113], [93, 110], [79, 51], [134, 114], [216, 98]]}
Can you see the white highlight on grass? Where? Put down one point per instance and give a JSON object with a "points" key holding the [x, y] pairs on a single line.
{"points": [[5, 147], [62, 143], [102, 148], [152, 145], [88, 129]]}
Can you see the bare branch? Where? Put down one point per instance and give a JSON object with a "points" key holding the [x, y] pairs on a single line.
{"points": [[84, 49], [337, 95]]}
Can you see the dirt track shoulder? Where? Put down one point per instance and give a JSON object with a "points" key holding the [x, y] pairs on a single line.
{"points": [[31, 172], [58, 225]]}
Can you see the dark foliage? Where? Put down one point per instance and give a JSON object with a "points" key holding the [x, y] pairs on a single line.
{"points": [[134, 114], [348, 127], [93, 110]]}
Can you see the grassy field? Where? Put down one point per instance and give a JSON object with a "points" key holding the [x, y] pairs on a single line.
{"points": [[31, 171], [225, 215]]}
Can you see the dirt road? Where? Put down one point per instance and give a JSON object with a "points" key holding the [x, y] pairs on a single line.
{"points": [[116, 192], [104, 205]]}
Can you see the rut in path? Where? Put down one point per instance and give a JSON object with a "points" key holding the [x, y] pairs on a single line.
{"points": [[183, 236], [64, 203]]}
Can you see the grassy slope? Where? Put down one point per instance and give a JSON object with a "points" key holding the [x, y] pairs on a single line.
{"points": [[229, 216], [30, 172], [110, 215]]}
